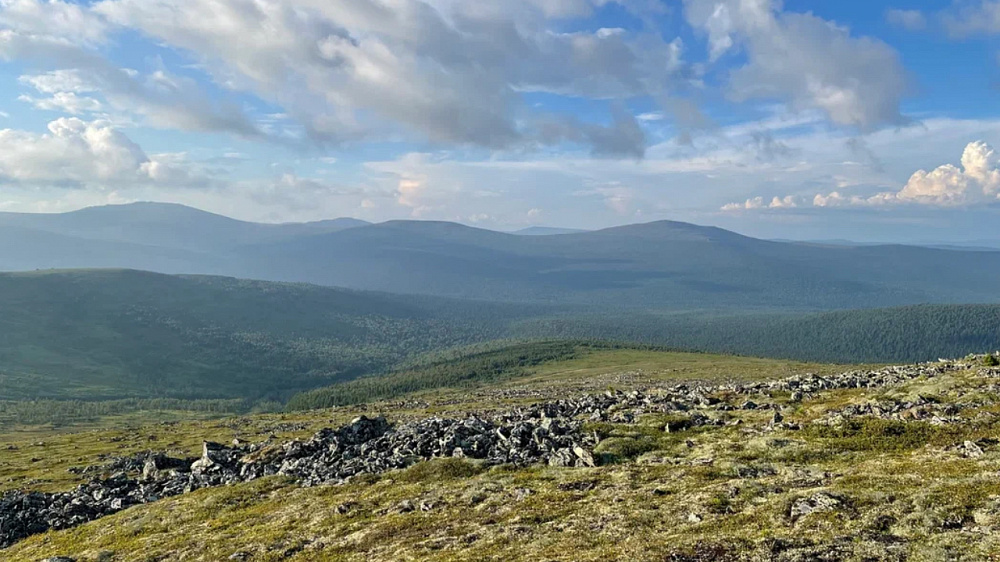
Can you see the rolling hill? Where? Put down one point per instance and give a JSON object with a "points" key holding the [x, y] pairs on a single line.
{"points": [[664, 265], [661, 265], [166, 225], [116, 334]]}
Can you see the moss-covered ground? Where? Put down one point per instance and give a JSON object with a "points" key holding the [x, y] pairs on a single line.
{"points": [[901, 489]]}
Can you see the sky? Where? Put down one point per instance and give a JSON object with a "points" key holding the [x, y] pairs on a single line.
{"points": [[863, 120]]}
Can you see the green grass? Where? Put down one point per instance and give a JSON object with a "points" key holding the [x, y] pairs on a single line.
{"points": [[875, 435], [719, 492], [563, 365]]}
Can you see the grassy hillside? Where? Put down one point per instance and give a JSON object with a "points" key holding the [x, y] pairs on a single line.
{"points": [[114, 334], [870, 487], [573, 364], [586, 368]]}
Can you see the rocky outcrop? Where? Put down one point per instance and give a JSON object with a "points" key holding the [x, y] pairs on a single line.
{"points": [[540, 434], [548, 433], [920, 409]]}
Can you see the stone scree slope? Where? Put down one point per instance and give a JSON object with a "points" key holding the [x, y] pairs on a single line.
{"points": [[550, 432]]}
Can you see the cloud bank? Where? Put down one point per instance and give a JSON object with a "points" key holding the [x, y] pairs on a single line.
{"points": [[976, 181]]}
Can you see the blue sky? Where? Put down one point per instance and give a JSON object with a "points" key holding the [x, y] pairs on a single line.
{"points": [[864, 120]]}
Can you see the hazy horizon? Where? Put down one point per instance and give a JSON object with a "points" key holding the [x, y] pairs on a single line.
{"points": [[544, 229], [806, 121]]}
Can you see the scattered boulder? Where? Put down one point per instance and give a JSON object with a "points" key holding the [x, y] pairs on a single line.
{"points": [[816, 503], [545, 433]]}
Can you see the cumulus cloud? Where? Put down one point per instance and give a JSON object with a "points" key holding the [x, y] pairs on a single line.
{"points": [[978, 180], [754, 203], [78, 153], [409, 192], [975, 181], [801, 58]]}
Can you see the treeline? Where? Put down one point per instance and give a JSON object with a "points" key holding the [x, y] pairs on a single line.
{"points": [[905, 334], [476, 368]]}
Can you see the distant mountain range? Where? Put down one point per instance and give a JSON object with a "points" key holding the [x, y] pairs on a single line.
{"points": [[659, 265], [547, 231]]}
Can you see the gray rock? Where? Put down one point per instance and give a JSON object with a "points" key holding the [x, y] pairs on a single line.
{"points": [[545, 433], [818, 502]]}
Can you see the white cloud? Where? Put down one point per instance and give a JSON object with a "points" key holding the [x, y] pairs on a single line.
{"points": [[805, 60], [162, 99], [617, 197], [409, 191], [754, 203], [977, 181], [80, 153], [63, 21], [62, 80], [787, 202], [972, 18], [451, 72], [910, 20], [67, 102]]}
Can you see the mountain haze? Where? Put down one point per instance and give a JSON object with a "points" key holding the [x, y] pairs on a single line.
{"points": [[662, 265], [167, 225]]}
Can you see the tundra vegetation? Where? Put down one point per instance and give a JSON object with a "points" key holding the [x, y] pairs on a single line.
{"points": [[768, 463]]}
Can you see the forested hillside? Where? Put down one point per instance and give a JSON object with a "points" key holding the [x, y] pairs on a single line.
{"points": [[107, 335], [115, 334], [911, 333]]}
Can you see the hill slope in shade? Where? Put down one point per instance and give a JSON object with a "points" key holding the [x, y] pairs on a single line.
{"points": [[118, 334], [659, 265], [167, 225], [113, 334]]}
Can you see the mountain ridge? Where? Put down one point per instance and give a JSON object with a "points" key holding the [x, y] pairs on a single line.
{"points": [[655, 265]]}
